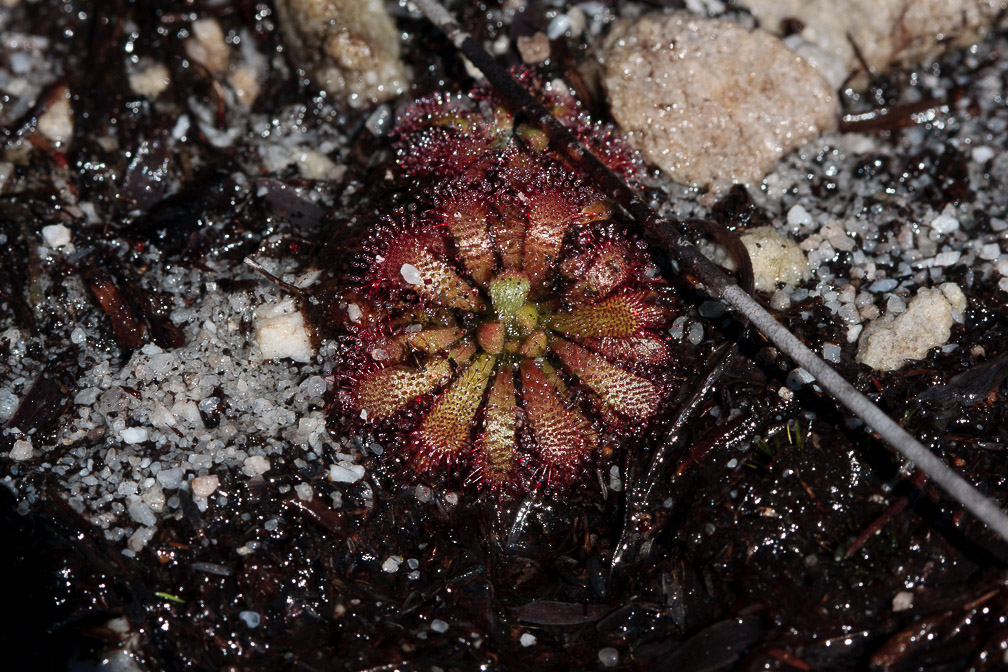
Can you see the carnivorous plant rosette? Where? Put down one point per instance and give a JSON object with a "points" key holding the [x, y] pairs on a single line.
{"points": [[502, 325]]}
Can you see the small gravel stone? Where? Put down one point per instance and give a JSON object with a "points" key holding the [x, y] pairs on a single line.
{"points": [[990, 251], [695, 333], [902, 600], [281, 333], [150, 79], [947, 258], [798, 216], [945, 223], [534, 48], [527, 639], [776, 260], [21, 451], [141, 513], [133, 435], [615, 482], [251, 618], [204, 486], [255, 465], [711, 309], [411, 274], [609, 657], [56, 235], [884, 285], [887, 343], [140, 538], [437, 625], [207, 46], [982, 154], [170, 479], [346, 472], [56, 123]]}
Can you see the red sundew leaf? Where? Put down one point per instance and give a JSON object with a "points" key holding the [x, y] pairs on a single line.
{"points": [[445, 137], [601, 139], [496, 448], [560, 102], [620, 316], [467, 219], [508, 233], [550, 213], [600, 274], [564, 438], [447, 426], [609, 270], [620, 391], [508, 293], [438, 109], [409, 262], [491, 337], [447, 153], [553, 378], [381, 393], [647, 349], [461, 353], [432, 340], [610, 147]]}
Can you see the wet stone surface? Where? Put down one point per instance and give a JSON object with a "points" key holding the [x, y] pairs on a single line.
{"points": [[173, 500]]}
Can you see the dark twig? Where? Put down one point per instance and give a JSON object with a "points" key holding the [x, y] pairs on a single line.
{"points": [[667, 235], [890, 117], [257, 267], [896, 508]]}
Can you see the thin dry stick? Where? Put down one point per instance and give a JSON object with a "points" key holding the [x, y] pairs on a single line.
{"points": [[714, 278]]}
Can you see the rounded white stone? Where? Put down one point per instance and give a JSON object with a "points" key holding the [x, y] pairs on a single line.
{"points": [[56, 235], [133, 435], [204, 486], [21, 451]]}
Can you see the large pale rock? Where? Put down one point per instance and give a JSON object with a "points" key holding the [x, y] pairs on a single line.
{"points": [[349, 47], [889, 34], [708, 101], [888, 342]]}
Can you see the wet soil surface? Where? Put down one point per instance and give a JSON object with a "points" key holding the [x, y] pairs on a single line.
{"points": [[776, 534]]}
